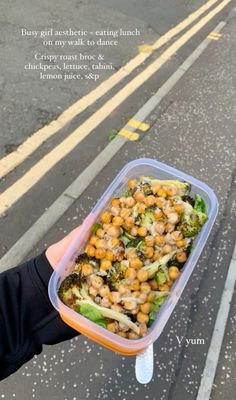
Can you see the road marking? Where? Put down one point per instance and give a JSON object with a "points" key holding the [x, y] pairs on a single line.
{"points": [[12, 160], [38, 230], [12, 194], [213, 354], [214, 36], [145, 48], [129, 134], [142, 126]]}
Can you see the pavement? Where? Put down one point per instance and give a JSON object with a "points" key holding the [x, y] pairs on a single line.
{"points": [[192, 129]]}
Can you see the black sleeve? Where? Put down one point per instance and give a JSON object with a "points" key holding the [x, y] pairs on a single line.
{"points": [[27, 317]]}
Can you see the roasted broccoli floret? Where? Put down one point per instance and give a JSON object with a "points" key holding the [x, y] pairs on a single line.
{"points": [[148, 218], [190, 225], [65, 291], [83, 259], [192, 222], [115, 276], [178, 184]]}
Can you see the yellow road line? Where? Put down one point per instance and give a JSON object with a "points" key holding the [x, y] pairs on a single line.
{"points": [[12, 160], [214, 36], [30, 178], [142, 126], [129, 135]]}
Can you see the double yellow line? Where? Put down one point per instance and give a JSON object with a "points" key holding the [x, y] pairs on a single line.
{"points": [[31, 177], [12, 160]]}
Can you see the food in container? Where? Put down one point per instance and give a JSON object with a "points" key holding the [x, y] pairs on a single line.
{"points": [[123, 275]]}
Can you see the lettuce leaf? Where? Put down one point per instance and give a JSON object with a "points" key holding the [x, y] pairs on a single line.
{"points": [[90, 312]]}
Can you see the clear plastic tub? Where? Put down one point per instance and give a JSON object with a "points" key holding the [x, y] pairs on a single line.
{"points": [[104, 337]]}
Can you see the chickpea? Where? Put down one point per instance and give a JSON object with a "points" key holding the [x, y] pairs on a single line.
{"points": [[87, 269], [111, 326], [142, 231], [115, 202], [117, 307], [179, 208], [162, 193], [130, 202], [142, 318], [142, 275], [113, 242], [90, 250], [104, 291], [117, 221], [155, 188], [135, 311], [159, 227], [139, 196], [173, 272], [158, 214], [93, 240], [181, 256], [157, 254], [173, 218], [150, 200], [134, 230], [113, 231], [129, 222], [97, 281], [160, 240], [109, 255], [114, 297], [105, 302], [181, 243], [170, 227], [146, 308], [167, 249], [136, 263], [145, 287], [150, 297], [132, 335], [123, 327], [122, 334], [164, 288], [125, 212], [149, 251], [100, 253], [149, 240], [141, 207], [171, 190], [100, 243], [177, 235], [130, 305], [131, 253], [143, 330], [100, 233], [153, 283], [142, 298], [132, 183], [160, 202], [130, 273], [93, 291], [105, 217], [124, 289], [135, 285], [105, 264]]}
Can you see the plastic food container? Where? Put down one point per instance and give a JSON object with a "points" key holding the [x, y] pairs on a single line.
{"points": [[104, 337]]}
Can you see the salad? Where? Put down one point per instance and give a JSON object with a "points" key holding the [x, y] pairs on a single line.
{"points": [[134, 255]]}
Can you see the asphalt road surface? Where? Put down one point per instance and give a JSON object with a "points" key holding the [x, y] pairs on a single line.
{"points": [[192, 128]]}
